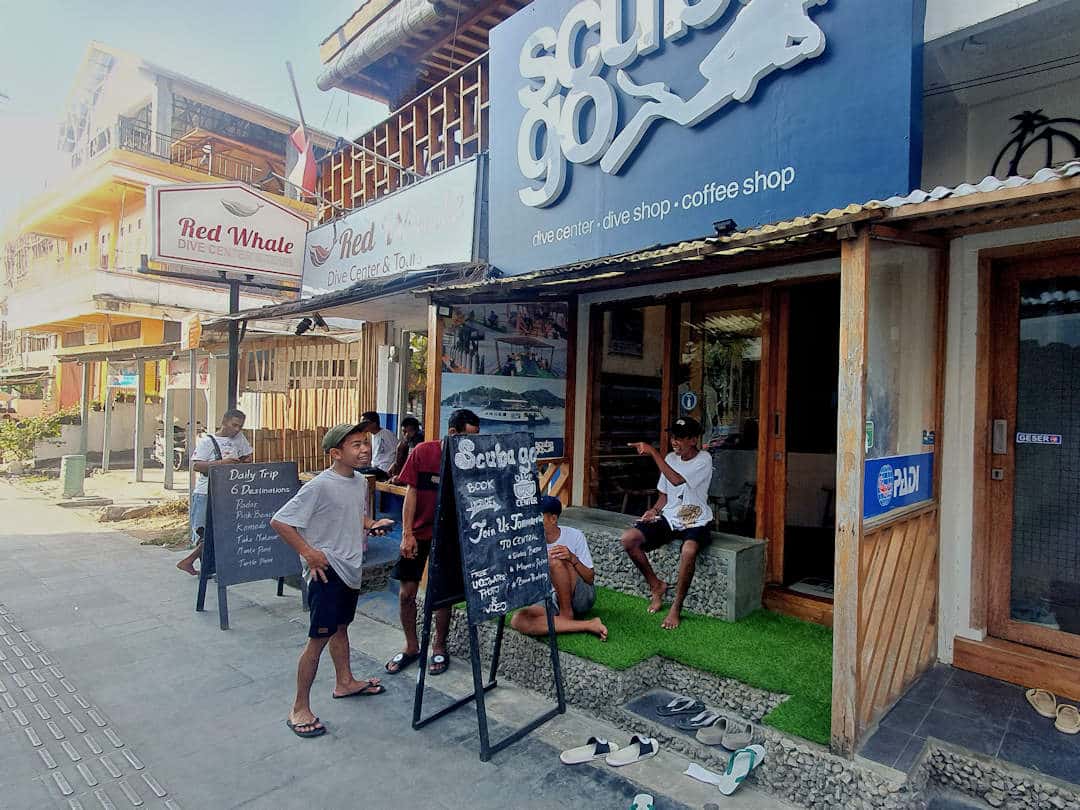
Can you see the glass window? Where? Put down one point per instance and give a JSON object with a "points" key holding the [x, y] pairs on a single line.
{"points": [[719, 384], [626, 407]]}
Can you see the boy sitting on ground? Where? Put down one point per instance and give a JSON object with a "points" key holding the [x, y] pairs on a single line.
{"points": [[572, 581]]}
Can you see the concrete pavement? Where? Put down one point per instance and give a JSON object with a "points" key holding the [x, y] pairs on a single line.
{"points": [[156, 707]]}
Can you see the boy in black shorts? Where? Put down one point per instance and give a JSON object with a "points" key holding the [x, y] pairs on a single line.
{"points": [[326, 522], [681, 512]]}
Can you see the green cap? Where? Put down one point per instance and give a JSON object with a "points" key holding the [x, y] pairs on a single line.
{"points": [[336, 435]]}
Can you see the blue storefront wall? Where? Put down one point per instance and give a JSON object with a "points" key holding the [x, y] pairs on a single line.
{"points": [[787, 107]]}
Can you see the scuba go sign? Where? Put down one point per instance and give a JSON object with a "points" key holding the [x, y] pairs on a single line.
{"points": [[651, 99]]}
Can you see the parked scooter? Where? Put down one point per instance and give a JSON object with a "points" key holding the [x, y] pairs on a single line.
{"points": [[179, 459]]}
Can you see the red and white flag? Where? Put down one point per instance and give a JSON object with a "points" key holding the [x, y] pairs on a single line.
{"points": [[305, 171]]}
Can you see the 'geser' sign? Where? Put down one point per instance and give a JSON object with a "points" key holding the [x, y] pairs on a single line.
{"points": [[226, 226], [618, 124]]}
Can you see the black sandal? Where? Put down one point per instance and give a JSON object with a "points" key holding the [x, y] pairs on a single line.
{"points": [[400, 661], [369, 688], [440, 662], [314, 728]]}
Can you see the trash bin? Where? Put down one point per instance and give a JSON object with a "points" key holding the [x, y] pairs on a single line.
{"points": [[72, 474]]}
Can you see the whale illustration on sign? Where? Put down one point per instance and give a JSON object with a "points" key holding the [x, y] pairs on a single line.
{"points": [[765, 36]]}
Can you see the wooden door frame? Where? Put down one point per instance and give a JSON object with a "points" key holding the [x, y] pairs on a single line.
{"points": [[1002, 279]]}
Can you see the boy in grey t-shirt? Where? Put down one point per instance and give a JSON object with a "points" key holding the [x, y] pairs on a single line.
{"points": [[325, 523]]}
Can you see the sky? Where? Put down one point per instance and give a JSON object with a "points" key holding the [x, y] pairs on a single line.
{"points": [[239, 46]]}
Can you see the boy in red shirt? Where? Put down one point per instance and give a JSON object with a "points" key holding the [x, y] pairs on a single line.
{"points": [[421, 475]]}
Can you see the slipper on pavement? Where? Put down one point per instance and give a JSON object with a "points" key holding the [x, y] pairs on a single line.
{"points": [[1068, 719], [702, 719], [370, 688], [739, 766], [643, 801], [739, 735], [439, 664], [680, 704], [315, 730], [400, 661], [714, 734], [595, 748], [639, 748], [1043, 702]]}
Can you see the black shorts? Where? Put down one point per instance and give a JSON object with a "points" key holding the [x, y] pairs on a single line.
{"points": [[659, 533], [332, 604], [406, 570]]}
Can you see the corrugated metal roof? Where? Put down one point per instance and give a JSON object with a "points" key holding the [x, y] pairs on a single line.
{"points": [[986, 185]]}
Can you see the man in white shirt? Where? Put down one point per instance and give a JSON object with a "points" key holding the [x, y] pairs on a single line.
{"points": [[681, 512], [227, 446], [383, 447], [572, 580]]}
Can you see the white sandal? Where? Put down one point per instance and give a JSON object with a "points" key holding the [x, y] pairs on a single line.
{"points": [[595, 748], [739, 766], [639, 748]]}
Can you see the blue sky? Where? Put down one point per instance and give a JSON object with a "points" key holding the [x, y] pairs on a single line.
{"points": [[239, 46]]}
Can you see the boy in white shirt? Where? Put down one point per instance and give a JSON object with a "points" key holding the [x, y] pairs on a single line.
{"points": [[681, 512], [572, 580]]}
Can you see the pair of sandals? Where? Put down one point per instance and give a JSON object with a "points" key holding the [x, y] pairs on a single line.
{"points": [[315, 728], [711, 727], [1066, 717], [639, 748], [440, 662]]}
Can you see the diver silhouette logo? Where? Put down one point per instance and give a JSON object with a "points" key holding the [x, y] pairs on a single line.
{"points": [[764, 37]]}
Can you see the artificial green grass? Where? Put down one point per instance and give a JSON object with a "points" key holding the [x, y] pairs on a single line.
{"points": [[766, 650]]}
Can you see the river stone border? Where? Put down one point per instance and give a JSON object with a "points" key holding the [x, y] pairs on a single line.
{"points": [[798, 771]]}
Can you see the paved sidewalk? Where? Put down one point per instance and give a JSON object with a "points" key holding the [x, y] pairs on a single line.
{"points": [[165, 710]]}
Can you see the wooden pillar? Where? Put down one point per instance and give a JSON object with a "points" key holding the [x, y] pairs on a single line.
{"points": [[167, 423], [84, 411], [193, 379], [432, 420], [108, 422], [850, 451], [140, 414]]}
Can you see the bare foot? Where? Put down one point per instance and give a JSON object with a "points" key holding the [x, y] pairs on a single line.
{"points": [[671, 621], [597, 628], [371, 686], [187, 566], [657, 600], [304, 720]]}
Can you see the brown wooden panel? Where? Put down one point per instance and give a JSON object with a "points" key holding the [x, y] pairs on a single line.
{"points": [[1019, 664], [801, 606]]}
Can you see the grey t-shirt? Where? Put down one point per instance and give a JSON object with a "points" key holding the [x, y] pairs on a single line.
{"points": [[329, 511]]}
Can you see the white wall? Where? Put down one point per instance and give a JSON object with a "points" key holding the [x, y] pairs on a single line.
{"points": [[944, 17], [958, 441]]}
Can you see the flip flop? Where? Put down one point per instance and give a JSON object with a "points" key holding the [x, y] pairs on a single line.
{"points": [[714, 734], [643, 801], [1068, 719], [1042, 702], [739, 735], [702, 719], [366, 691], [639, 748], [680, 705], [739, 766], [316, 730], [439, 664], [595, 748], [400, 661]]}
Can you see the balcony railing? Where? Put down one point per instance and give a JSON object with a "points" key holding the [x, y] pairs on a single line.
{"points": [[446, 125], [134, 136]]}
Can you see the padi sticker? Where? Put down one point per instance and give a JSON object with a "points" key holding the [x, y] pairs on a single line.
{"points": [[896, 481], [1038, 438]]}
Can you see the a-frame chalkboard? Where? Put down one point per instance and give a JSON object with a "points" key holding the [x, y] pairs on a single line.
{"points": [[488, 551], [238, 543]]}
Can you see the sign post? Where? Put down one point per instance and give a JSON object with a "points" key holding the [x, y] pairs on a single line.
{"points": [[239, 545], [488, 551]]}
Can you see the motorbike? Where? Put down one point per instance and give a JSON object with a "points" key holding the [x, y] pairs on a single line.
{"points": [[179, 459]]}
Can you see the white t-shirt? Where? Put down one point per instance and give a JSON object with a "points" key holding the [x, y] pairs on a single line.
{"points": [[328, 511], [383, 449], [574, 540], [236, 447], [688, 504]]}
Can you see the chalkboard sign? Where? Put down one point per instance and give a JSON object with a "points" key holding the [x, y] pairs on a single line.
{"points": [[489, 551], [501, 530], [239, 545]]}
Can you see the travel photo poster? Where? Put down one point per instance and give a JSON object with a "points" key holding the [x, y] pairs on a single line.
{"points": [[508, 363]]}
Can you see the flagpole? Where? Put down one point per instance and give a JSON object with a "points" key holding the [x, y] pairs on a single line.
{"points": [[296, 94]]}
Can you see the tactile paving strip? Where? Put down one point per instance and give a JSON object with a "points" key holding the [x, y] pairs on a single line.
{"points": [[84, 761]]}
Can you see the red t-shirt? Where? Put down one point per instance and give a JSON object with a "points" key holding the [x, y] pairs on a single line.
{"points": [[421, 471]]}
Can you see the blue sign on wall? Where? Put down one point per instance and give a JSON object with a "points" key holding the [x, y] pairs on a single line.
{"points": [[620, 124], [895, 482]]}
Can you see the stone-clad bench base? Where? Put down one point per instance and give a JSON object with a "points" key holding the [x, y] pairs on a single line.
{"points": [[730, 574]]}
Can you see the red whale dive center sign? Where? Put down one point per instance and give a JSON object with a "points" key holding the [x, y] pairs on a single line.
{"points": [[226, 226]]}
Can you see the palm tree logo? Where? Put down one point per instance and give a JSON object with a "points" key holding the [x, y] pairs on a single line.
{"points": [[1034, 128]]}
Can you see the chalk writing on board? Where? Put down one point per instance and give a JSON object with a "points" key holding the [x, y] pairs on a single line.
{"points": [[474, 506]]}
